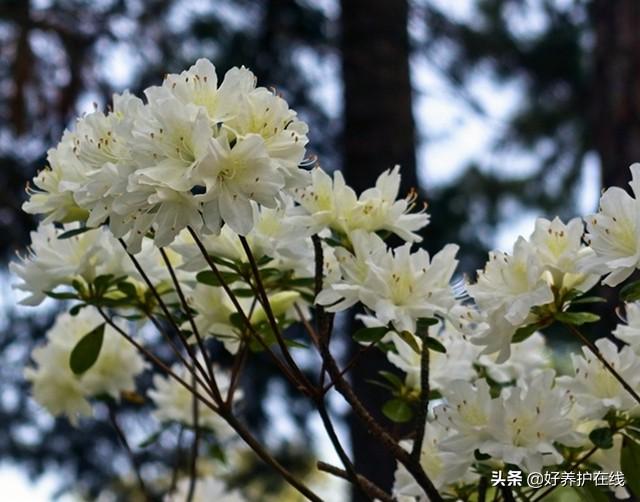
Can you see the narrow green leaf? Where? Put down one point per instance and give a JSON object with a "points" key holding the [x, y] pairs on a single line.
{"points": [[525, 332], [435, 345], [86, 352], [576, 318], [128, 289], [370, 335], [295, 344], [397, 410], [210, 279], [630, 292], [630, 464], [589, 299], [76, 231], [410, 339], [61, 296], [392, 378], [602, 437]]}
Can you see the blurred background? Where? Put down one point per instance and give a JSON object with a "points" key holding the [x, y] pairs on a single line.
{"points": [[497, 110]]}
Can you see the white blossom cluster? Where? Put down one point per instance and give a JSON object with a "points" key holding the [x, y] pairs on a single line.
{"points": [[202, 171], [58, 389]]}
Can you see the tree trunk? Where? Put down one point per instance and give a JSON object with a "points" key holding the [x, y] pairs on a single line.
{"points": [[378, 133], [617, 87]]}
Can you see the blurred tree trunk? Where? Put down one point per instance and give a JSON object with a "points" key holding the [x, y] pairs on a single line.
{"points": [[616, 99], [378, 133], [617, 87]]}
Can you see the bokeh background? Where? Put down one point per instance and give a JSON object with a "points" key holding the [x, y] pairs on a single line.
{"points": [[497, 110]]}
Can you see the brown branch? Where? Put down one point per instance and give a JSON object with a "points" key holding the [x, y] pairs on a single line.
{"points": [[421, 419], [371, 489]]}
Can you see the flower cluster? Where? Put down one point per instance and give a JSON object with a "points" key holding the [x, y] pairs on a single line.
{"points": [[62, 392], [195, 154]]}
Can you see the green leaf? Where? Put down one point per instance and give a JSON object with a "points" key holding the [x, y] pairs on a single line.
{"points": [[410, 339], [76, 231], [216, 452], [392, 378], [435, 345], [423, 324], [589, 299], [153, 437], [630, 464], [210, 279], [576, 318], [602, 437], [128, 289], [370, 335], [61, 296], [631, 292], [86, 352], [525, 332], [397, 410], [295, 344]]}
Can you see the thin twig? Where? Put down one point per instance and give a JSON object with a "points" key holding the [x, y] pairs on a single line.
{"points": [[273, 323], [166, 311], [193, 472], [421, 418], [155, 360], [176, 465], [592, 347], [207, 360], [372, 490], [132, 458], [285, 370], [248, 438]]}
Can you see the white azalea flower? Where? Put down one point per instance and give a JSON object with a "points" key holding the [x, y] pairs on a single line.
{"points": [[233, 178], [174, 402], [630, 332], [456, 364], [506, 290], [592, 386], [207, 489], [328, 202], [52, 262], [526, 422], [614, 233], [400, 286], [526, 358], [559, 248], [443, 467], [58, 389]]}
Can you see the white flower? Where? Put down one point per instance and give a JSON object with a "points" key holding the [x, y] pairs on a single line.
{"points": [[514, 282], [526, 358], [559, 248], [444, 468], [456, 364], [54, 193], [354, 269], [526, 422], [630, 333], [466, 411], [233, 178], [174, 402], [58, 389], [207, 489], [400, 286], [332, 203], [52, 261], [284, 135], [614, 233], [592, 386], [506, 291]]}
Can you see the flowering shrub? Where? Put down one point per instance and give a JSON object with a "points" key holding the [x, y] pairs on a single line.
{"points": [[195, 214]]}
